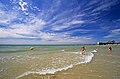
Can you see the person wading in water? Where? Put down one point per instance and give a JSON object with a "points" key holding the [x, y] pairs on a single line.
{"points": [[83, 50], [110, 48]]}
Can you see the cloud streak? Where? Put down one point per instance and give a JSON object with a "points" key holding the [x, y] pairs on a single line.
{"points": [[114, 33]]}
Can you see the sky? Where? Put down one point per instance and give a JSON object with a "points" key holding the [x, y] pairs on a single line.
{"points": [[59, 21]]}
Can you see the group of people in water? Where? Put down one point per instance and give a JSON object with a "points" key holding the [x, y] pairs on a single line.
{"points": [[83, 49]]}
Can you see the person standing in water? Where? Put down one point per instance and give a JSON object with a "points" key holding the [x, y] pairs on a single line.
{"points": [[83, 50], [110, 48]]}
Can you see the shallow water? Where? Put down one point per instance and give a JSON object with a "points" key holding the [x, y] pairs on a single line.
{"points": [[19, 62]]}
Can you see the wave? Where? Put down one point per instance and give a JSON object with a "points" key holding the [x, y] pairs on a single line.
{"points": [[87, 57], [44, 72]]}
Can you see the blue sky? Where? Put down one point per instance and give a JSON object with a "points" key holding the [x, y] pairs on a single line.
{"points": [[59, 21]]}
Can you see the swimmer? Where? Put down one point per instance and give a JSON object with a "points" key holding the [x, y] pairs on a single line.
{"points": [[31, 48], [83, 50]]}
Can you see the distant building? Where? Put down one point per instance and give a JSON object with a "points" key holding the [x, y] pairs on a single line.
{"points": [[107, 43]]}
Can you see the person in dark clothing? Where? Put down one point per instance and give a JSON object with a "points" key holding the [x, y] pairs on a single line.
{"points": [[110, 48]]}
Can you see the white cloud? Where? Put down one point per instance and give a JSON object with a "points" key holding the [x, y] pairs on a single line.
{"points": [[92, 3], [46, 36], [61, 16], [81, 31], [76, 22], [51, 38], [7, 16], [67, 24], [24, 30], [18, 41], [23, 5], [74, 39], [57, 28], [114, 33], [65, 38], [9, 33], [59, 21], [105, 5], [19, 30]]}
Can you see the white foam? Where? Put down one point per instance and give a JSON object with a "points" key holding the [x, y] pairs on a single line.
{"points": [[94, 51], [75, 52], [44, 72], [88, 58], [63, 50]]}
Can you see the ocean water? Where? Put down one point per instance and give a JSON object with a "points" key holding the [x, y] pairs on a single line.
{"points": [[17, 61]]}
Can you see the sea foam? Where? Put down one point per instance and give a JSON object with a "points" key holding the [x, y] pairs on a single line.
{"points": [[88, 58]]}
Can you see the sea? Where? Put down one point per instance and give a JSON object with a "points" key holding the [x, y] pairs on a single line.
{"points": [[97, 62]]}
